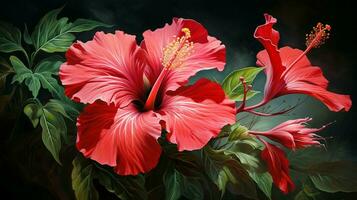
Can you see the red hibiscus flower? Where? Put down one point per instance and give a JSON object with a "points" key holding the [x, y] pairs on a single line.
{"points": [[289, 71], [278, 167], [136, 91], [293, 134]]}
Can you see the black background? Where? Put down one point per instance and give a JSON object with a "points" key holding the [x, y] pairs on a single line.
{"points": [[233, 22]]}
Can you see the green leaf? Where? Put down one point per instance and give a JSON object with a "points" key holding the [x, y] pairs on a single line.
{"points": [[82, 179], [20, 69], [249, 161], [124, 187], [308, 192], [55, 35], [173, 181], [310, 189], [54, 106], [42, 76], [52, 123], [27, 37], [33, 112], [192, 189], [238, 96], [10, 38], [336, 176], [23, 73], [233, 87], [240, 132], [51, 133], [302, 196], [264, 182], [223, 170], [33, 84], [57, 91], [177, 184], [50, 65], [49, 83]]}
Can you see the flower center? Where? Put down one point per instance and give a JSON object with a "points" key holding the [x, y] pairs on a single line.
{"points": [[174, 55], [316, 38]]}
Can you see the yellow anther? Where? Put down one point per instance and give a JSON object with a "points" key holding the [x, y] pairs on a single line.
{"points": [[187, 32], [318, 35], [177, 50]]}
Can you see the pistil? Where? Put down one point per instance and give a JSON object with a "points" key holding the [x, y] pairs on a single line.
{"points": [[173, 56], [315, 39]]}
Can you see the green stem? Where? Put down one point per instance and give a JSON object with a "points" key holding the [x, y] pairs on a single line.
{"points": [[33, 56], [26, 55]]}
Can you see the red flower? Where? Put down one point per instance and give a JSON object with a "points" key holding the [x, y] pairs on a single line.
{"points": [[289, 71], [133, 91], [278, 167], [293, 134]]}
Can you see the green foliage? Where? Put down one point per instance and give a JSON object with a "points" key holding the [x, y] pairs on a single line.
{"points": [[27, 37], [52, 123], [10, 38], [264, 182], [41, 77], [55, 35], [173, 181], [225, 171], [325, 169], [308, 192], [246, 149], [33, 112], [82, 179], [238, 132], [336, 176], [124, 187], [177, 185], [233, 86]]}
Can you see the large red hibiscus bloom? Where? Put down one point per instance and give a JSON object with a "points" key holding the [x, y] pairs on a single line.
{"points": [[289, 71], [135, 91]]}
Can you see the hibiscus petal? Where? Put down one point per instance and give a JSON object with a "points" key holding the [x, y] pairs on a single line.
{"points": [[302, 69], [123, 138], [107, 68], [335, 102], [194, 114], [270, 57], [278, 167], [207, 52], [292, 134]]}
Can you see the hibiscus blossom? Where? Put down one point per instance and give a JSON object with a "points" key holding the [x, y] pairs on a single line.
{"points": [[289, 71], [134, 92], [293, 134]]}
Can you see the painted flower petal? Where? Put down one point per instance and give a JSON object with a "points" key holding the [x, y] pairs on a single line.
{"points": [[278, 167], [122, 138], [302, 70], [269, 58], [293, 134], [207, 52], [195, 114], [335, 102], [107, 68], [303, 78]]}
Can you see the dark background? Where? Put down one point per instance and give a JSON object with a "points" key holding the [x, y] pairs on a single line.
{"points": [[233, 22]]}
